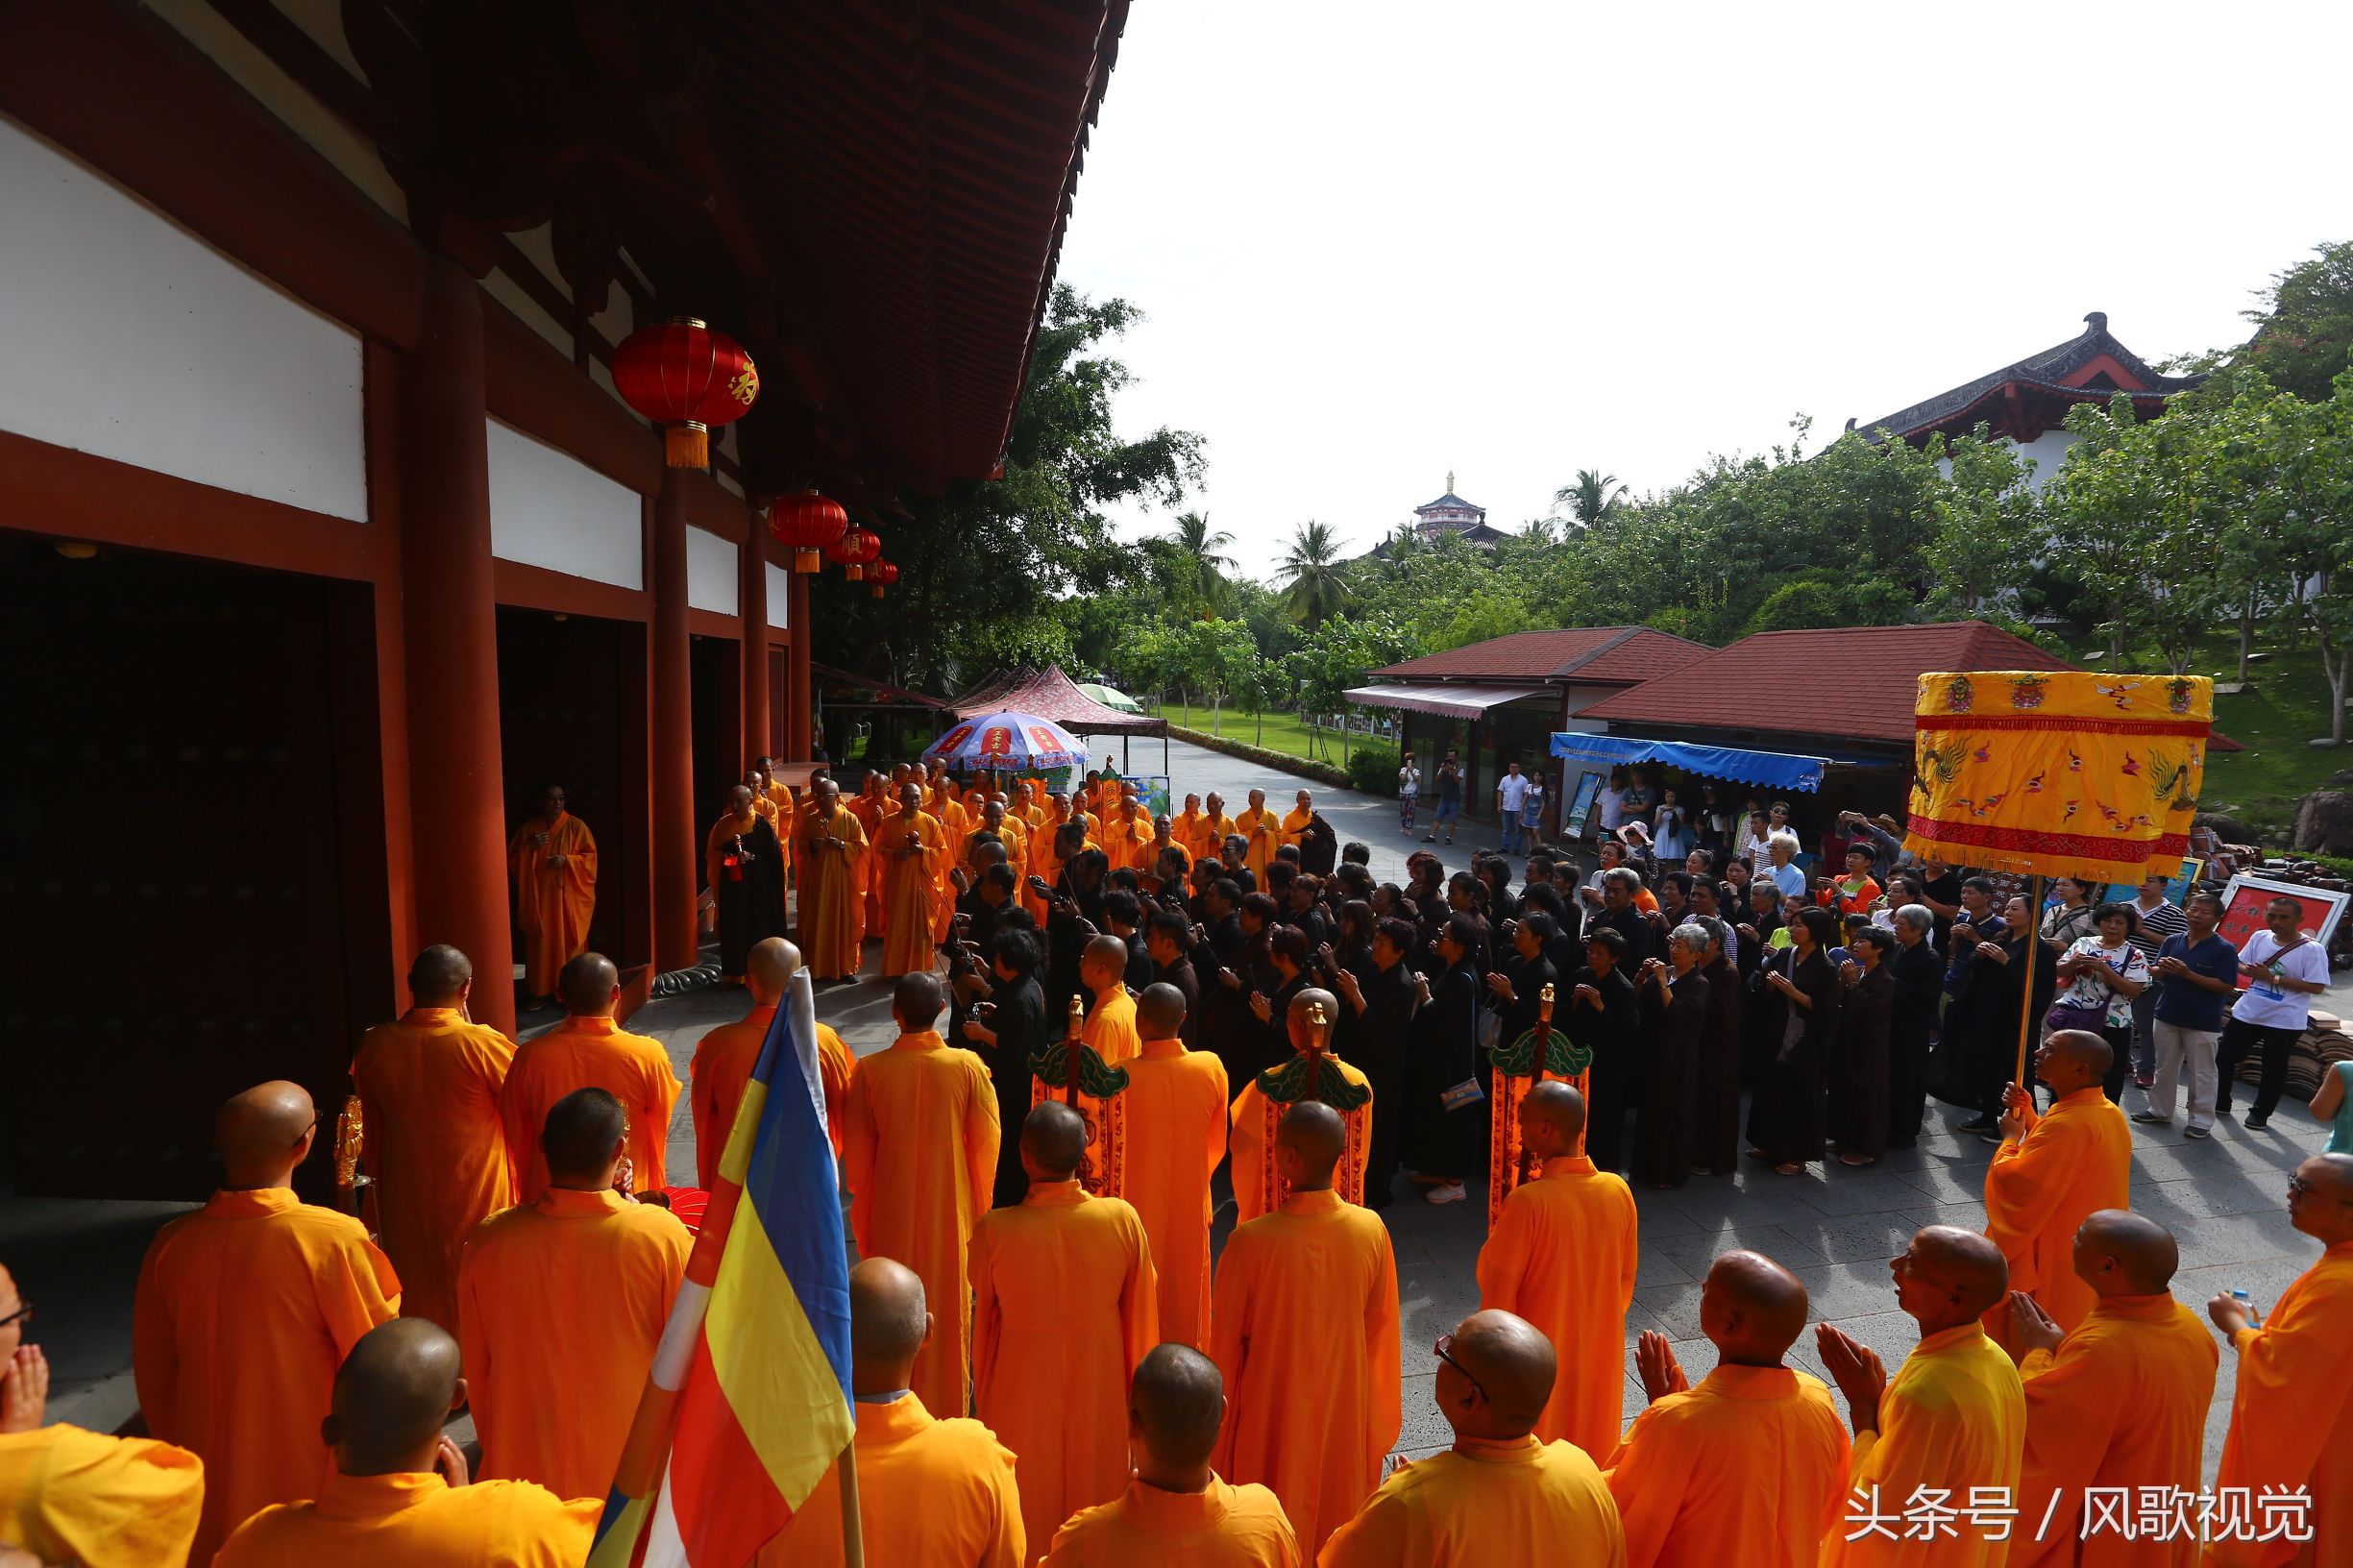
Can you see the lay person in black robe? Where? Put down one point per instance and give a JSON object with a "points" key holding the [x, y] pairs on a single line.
{"points": [[1674, 1020], [1859, 1084], [744, 863], [1441, 1141], [2000, 994], [1715, 1125], [1377, 1008], [1598, 1012], [1919, 972], [1802, 996], [1007, 1028], [1167, 938], [1517, 990], [1287, 956], [1319, 846], [1619, 913], [1074, 914]]}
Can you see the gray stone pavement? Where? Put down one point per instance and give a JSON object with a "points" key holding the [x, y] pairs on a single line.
{"points": [[2225, 1198]]}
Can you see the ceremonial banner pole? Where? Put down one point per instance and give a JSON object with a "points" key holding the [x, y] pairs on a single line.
{"points": [[853, 1527], [2070, 772], [1536, 1055], [1076, 1073]]}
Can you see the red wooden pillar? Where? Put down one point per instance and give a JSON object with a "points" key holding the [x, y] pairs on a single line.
{"points": [[751, 603], [448, 623], [670, 697], [794, 745]]}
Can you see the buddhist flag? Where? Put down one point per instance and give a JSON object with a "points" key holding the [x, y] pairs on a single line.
{"points": [[748, 1401], [2058, 772]]}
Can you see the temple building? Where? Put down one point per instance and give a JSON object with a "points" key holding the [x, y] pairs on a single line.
{"points": [[326, 541], [2026, 403], [1451, 514]]}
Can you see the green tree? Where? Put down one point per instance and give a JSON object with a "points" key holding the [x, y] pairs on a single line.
{"points": [[1987, 529], [1334, 657], [1210, 550], [1216, 658], [1308, 568], [1590, 496], [2307, 508], [2304, 327]]}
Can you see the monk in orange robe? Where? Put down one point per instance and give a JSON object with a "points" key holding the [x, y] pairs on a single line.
{"points": [[1176, 1511], [1187, 828], [398, 1493], [2117, 1403], [1110, 1021], [1215, 829], [762, 806], [2292, 1409], [1304, 1334], [779, 794], [871, 805], [912, 848], [1064, 1308], [1953, 1418], [1131, 835], [931, 1490], [1046, 857], [2052, 1172], [1257, 1174], [244, 1310], [832, 857], [1751, 1467], [552, 859], [724, 1059], [562, 1302], [921, 1164], [1176, 1137], [1296, 820], [428, 1093], [1264, 834], [67, 1495], [588, 1050], [1027, 807], [1562, 1257], [1497, 1496]]}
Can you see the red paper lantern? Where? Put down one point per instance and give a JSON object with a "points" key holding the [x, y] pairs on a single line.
{"points": [[809, 523], [856, 550], [686, 379], [882, 573]]}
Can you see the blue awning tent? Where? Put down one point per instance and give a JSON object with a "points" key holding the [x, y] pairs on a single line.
{"points": [[1775, 770]]}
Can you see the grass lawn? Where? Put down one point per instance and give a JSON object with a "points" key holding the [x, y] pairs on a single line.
{"points": [[1283, 731], [2286, 709]]}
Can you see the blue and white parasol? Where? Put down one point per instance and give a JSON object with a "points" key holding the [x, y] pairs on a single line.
{"points": [[1008, 742]]}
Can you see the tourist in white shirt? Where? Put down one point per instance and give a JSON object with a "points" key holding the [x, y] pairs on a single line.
{"points": [[1510, 796], [1755, 845], [1610, 801], [2285, 970], [1409, 791]]}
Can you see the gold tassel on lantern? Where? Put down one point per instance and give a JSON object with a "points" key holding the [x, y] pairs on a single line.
{"points": [[686, 445]]}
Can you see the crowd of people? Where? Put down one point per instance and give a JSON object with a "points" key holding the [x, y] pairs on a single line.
{"points": [[1047, 1364]]}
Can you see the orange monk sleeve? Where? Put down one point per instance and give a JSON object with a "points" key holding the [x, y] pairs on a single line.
{"points": [[1502, 1263], [988, 1321], [580, 863], [1214, 1124], [1648, 1476], [1375, 1538], [154, 1354], [1629, 1269], [2023, 1189], [1008, 1544], [2294, 1380], [356, 1291], [1383, 1355], [1139, 1297], [2071, 1415], [982, 1135], [473, 1344], [1229, 1341], [514, 1117], [859, 1138], [702, 1114]]}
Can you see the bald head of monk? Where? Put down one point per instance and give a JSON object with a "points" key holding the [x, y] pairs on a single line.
{"points": [[584, 1137], [768, 967], [1751, 1309], [1053, 1143], [2118, 1253], [2321, 1199], [827, 795], [589, 987], [442, 976], [1308, 1144], [1299, 1022], [1553, 1120], [2073, 1059], [1948, 1277], [910, 799], [392, 1393], [1103, 963], [1495, 1373], [916, 1001], [739, 801], [1175, 1404], [1160, 1011], [889, 1323], [264, 1133]]}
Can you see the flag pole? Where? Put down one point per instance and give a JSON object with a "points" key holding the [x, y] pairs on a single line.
{"points": [[853, 1530], [2025, 1006]]}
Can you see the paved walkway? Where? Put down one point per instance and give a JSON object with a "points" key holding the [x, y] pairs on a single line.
{"points": [[2224, 1198]]}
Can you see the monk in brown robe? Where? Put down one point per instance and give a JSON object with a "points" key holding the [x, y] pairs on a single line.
{"points": [[553, 860], [244, 1310], [428, 1093]]}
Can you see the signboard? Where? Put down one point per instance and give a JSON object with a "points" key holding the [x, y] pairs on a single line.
{"points": [[2175, 891], [1152, 789], [1580, 805], [2244, 899]]}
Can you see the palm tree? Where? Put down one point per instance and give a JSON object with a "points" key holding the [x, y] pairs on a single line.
{"points": [[1537, 530], [1207, 550], [1309, 570], [1593, 497]]}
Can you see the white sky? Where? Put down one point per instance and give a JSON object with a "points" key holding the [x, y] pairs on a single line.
{"points": [[1377, 241]]}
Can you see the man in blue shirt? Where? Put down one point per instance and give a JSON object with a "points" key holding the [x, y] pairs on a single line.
{"points": [[2196, 972]]}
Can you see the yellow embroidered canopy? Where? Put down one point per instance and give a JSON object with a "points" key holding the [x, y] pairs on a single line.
{"points": [[2061, 773]]}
